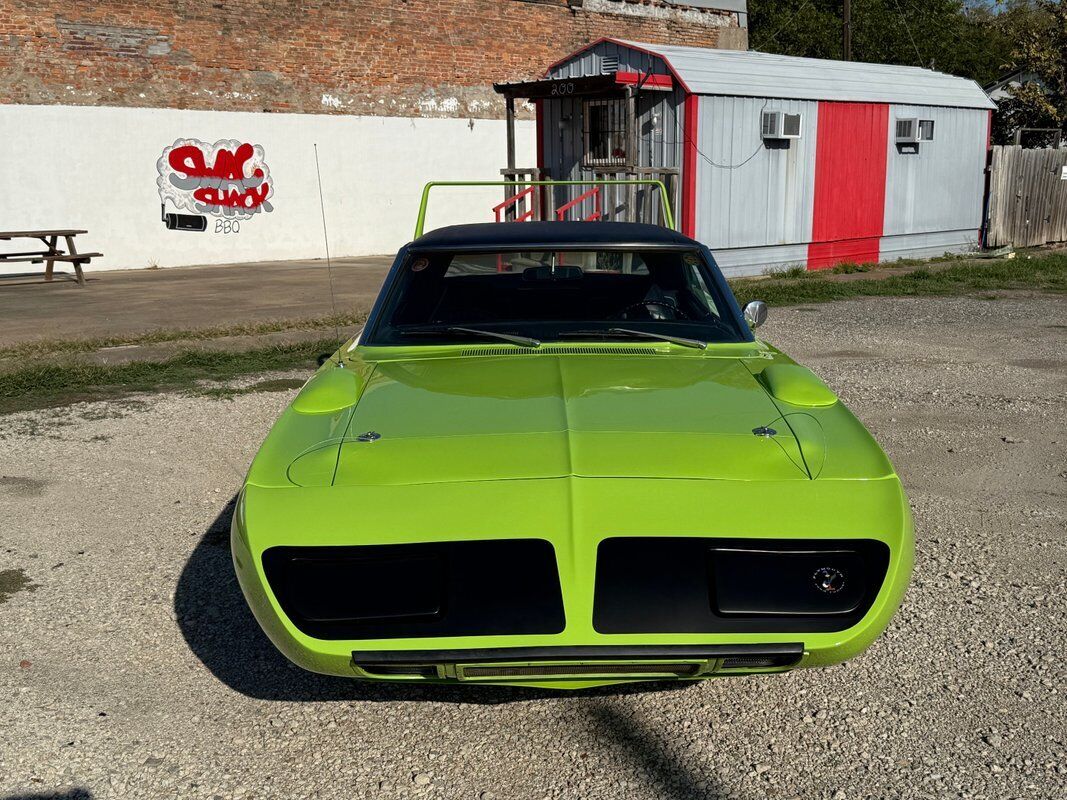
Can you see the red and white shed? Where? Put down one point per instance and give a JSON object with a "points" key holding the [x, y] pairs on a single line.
{"points": [[773, 161]]}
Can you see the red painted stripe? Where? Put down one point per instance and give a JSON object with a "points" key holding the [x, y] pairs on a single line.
{"points": [[850, 174], [646, 80], [689, 165]]}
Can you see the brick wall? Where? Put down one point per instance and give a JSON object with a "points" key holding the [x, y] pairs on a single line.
{"points": [[402, 58]]}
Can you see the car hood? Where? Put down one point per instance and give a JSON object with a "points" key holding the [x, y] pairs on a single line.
{"points": [[545, 416]]}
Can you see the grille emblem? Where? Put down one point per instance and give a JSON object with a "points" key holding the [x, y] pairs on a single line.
{"points": [[829, 580]]}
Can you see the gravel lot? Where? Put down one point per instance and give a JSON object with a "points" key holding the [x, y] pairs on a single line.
{"points": [[130, 666]]}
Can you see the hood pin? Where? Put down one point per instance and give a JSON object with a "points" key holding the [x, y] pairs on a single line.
{"points": [[764, 431], [369, 436]]}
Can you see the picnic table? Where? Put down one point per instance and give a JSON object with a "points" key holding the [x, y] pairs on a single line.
{"points": [[51, 252]]}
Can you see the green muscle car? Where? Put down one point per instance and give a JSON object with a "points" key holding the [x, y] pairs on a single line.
{"points": [[556, 455]]}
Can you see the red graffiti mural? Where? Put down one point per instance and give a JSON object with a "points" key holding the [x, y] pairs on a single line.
{"points": [[229, 178]]}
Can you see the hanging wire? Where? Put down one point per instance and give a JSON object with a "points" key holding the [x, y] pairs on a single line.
{"points": [[786, 24], [687, 139], [907, 27]]}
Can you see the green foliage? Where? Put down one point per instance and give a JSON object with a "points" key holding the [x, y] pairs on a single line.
{"points": [[846, 267], [947, 35], [1041, 52]]}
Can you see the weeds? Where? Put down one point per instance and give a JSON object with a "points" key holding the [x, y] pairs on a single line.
{"points": [[49, 384]]}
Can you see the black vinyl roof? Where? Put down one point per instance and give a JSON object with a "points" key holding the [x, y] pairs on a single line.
{"points": [[548, 235]]}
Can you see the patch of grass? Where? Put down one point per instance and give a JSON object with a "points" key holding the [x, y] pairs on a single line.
{"points": [[276, 385], [847, 267], [50, 384], [1046, 272], [53, 346]]}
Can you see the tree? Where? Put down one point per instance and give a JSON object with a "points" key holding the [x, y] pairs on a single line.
{"points": [[1040, 50], [973, 41]]}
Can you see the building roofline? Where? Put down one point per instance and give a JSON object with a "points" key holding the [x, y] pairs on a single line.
{"points": [[853, 70]]}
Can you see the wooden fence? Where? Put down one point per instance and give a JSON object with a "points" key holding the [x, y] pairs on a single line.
{"points": [[1027, 197]]}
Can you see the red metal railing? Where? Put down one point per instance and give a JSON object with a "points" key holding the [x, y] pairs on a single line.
{"points": [[594, 193], [561, 213], [531, 191]]}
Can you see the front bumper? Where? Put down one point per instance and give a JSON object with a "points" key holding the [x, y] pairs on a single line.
{"points": [[265, 518], [601, 663]]}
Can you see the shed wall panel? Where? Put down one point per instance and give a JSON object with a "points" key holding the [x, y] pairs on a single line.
{"points": [[750, 194], [758, 260], [589, 63], [928, 245], [939, 188]]}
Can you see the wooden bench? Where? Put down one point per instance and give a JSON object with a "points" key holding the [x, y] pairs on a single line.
{"points": [[52, 254]]}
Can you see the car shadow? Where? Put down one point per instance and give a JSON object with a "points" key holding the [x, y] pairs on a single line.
{"points": [[220, 630], [78, 793], [670, 773]]}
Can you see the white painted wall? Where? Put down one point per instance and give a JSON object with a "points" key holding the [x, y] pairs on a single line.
{"points": [[95, 168]]}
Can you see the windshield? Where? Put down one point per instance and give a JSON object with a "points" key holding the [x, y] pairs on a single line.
{"points": [[574, 295]]}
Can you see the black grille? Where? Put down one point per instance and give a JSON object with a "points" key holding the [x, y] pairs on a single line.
{"points": [[707, 585], [479, 588], [759, 662]]}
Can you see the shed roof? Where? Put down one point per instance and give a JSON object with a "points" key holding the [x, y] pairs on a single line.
{"points": [[753, 74]]}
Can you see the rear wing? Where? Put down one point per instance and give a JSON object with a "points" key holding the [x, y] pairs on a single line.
{"points": [[524, 200]]}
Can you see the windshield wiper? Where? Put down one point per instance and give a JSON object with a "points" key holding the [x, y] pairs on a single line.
{"points": [[522, 341], [663, 337]]}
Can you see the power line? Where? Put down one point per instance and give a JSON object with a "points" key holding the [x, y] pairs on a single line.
{"points": [[787, 23], [907, 27]]}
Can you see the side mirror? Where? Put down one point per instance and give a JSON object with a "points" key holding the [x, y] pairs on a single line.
{"points": [[755, 312]]}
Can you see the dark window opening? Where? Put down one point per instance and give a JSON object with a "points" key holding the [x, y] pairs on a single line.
{"points": [[607, 133]]}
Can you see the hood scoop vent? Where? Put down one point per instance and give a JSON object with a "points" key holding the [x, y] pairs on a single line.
{"points": [[564, 350]]}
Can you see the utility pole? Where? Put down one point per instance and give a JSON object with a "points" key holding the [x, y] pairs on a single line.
{"points": [[846, 31]]}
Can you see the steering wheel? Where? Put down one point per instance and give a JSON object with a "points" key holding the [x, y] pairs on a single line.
{"points": [[670, 305]]}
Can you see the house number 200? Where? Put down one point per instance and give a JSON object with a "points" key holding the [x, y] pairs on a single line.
{"points": [[562, 88]]}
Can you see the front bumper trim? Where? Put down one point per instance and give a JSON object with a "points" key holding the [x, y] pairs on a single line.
{"points": [[785, 651]]}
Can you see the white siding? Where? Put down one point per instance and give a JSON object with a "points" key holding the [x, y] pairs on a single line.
{"points": [[749, 194], [927, 245], [758, 260], [939, 188]]}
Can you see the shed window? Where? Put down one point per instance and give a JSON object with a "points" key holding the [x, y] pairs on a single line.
{"points": [[926, 130], [607, 132]]}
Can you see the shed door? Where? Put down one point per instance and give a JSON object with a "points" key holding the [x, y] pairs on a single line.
{"points": [[850, 173]]}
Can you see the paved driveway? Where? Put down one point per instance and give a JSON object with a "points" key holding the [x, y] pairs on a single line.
{"points": [[184, 298]]}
